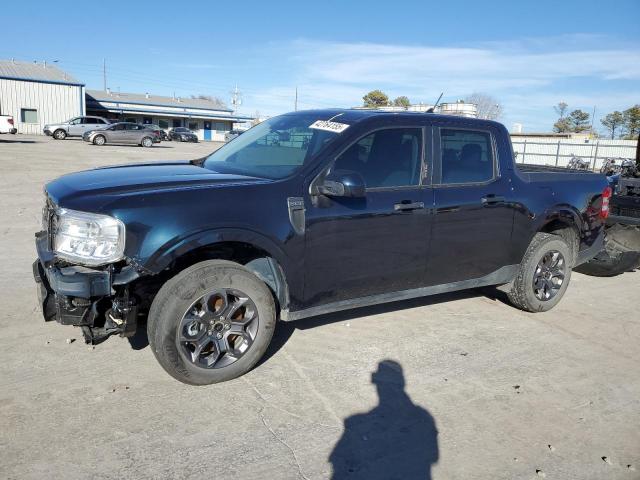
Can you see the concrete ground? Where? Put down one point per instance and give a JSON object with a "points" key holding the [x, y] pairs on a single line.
{"points": [[455, 386]]}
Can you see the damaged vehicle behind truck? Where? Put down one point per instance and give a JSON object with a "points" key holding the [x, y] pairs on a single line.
{"points": [[305, 214]]}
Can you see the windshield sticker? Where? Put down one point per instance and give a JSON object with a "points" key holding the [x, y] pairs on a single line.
{"points": [[329, 126]]}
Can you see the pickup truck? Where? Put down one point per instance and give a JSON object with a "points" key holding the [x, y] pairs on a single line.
{"points": [[304, 214]]}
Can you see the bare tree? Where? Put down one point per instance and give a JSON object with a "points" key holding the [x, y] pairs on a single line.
{"points": [[488, 107], [561, 109], [209, 98]]}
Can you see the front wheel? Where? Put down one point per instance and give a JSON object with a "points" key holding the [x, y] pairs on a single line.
{"points": [[59, 134], [212, 322], [544, 274], [99, 140]]}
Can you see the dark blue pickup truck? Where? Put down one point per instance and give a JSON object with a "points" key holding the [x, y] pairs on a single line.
{"points": [[305, 214]]}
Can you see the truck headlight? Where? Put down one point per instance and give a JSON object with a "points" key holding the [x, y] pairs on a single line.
{"points": [[87, 238]]}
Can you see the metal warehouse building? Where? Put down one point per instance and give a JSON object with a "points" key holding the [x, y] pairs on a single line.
{"points": [[38, 93], [209, 119]]}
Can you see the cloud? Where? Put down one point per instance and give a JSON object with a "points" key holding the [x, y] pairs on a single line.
{"points": [[526, 75]]}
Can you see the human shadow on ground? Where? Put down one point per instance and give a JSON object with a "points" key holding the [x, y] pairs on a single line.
{"points": [[397, 439]]}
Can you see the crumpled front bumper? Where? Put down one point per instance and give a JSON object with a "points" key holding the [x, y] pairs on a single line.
{"points": [[96, 300]]}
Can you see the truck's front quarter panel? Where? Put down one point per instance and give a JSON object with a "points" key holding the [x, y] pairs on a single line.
{"points": [[161, 224]]}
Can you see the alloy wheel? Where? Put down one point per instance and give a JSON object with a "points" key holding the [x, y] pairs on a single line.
{"points": [[218, 328], [549, 275]]}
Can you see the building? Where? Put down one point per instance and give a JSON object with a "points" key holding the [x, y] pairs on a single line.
{"points": [[459, 108], [38, 93], [209, 119]]}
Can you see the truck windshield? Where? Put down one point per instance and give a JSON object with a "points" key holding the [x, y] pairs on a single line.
{"points": [[273, 149]]}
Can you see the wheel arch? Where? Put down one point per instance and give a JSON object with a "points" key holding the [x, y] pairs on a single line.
{"points": [[256, 252], [565, 223]]}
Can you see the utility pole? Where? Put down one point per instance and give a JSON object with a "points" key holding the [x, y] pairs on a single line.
{"points": [[104, 74], [236, 99], [295, 105]]}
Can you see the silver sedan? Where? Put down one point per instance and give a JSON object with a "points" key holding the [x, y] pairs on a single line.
{"points": [[123, 133]]}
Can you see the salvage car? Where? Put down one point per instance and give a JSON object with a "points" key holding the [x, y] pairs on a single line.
{"points": [[6, 125], [159, 131], [76, 127], [182, 134], [622, 232], [305, 214], [123, 133]]}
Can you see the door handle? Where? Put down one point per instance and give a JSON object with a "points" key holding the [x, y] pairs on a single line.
{"points": [[492, 199], [405, 206]]}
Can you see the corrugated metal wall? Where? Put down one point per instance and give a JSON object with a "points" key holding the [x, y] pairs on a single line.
{"points": [[54, 103], [550, 151]]}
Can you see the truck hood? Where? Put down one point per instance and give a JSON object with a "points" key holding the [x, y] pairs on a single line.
{"points": [[145, 177]]}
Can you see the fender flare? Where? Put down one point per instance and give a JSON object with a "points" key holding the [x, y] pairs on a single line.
{"points": [[274, 272]]}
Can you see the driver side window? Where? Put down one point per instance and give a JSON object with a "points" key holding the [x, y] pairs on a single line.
{"points": [[385, 158]]}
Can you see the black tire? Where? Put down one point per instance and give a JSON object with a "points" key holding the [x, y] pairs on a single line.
{"points": [[147, 142], [99, 140], [522, 293], [621, 253], [59, 134], [178, 295]]}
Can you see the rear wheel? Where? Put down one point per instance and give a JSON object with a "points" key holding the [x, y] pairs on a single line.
{"points": [[59, 134], [211, 323], [99, 140], [544, 274], [147, 142]]}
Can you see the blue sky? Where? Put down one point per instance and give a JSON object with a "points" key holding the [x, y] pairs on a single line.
{"points": [[529, 55]]}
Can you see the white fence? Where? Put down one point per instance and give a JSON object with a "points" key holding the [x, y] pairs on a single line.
{"points": [[546, 151]]}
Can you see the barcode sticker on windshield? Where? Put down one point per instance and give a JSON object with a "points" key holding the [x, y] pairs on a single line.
{"points": [[329, 126]]}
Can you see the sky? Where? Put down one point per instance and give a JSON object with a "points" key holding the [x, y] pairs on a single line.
{"points": [[529, 55]]}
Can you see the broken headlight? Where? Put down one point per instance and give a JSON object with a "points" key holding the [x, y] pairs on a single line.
{"points": [[87, 238]]}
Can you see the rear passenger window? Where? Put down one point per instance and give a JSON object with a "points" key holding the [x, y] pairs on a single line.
{"points": [[385, 158], [467, 156]]}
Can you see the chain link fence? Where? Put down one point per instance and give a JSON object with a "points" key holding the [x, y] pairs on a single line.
{"points": [[559, 152]]}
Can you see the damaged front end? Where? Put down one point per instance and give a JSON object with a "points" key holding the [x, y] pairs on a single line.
{"points": [[95, 298]]}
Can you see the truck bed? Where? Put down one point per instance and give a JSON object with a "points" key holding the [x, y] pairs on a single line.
{"points": [[549, 173]]}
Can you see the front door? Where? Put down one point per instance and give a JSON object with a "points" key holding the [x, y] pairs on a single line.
{"points": [[357, 247], [76, 127], [473, 218]]}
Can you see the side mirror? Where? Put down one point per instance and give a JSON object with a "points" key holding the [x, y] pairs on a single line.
{"points": [[343, 183]]}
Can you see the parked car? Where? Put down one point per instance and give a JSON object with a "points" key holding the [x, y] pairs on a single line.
{"points": [[122, 133], [76, 127], [621, 251], [6, 124], [159, 131], [231, 134], [182, 134], [305, 214]]}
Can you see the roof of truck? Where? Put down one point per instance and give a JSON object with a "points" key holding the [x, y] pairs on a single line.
{"points": [[355, 115]]}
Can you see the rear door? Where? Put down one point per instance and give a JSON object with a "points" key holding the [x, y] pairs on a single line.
{"points": [[357, 247], [473, 218]]}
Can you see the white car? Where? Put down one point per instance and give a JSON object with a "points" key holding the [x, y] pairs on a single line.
{"points": [[6, 124], [76, 127]]}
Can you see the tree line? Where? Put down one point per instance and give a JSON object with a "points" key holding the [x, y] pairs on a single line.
{"points": [[625, 124], [488, 106]]}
